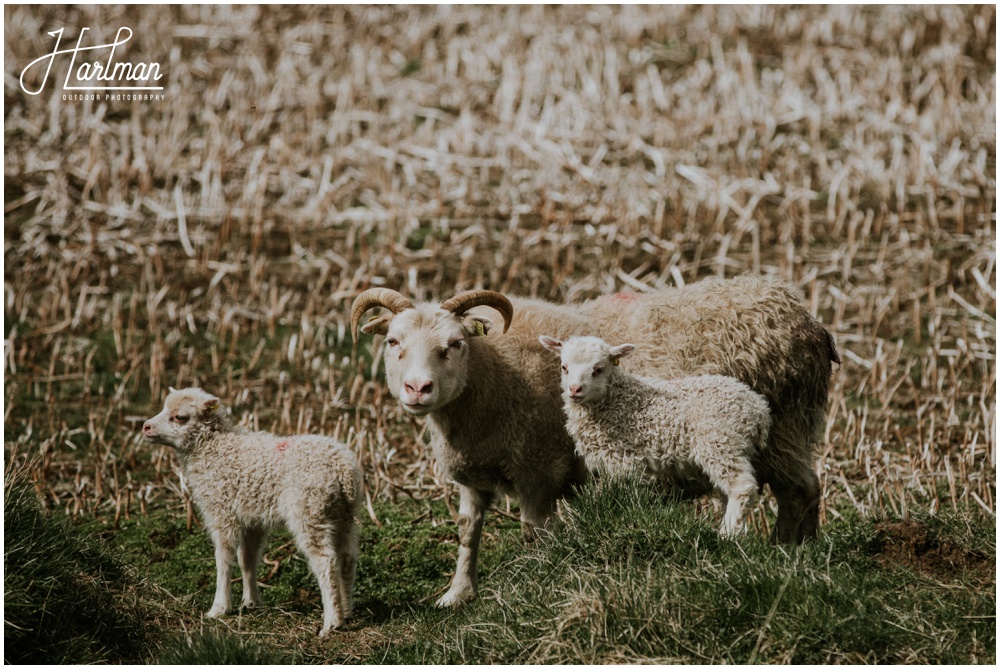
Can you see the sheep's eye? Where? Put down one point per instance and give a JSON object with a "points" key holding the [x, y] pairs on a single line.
{"points": [[453, 346], [597, 371], [565, 370], [392, 341], [180, 419]]}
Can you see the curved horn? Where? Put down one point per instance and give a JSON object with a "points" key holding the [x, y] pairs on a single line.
{"points": [[475, 298], [377, 297]]}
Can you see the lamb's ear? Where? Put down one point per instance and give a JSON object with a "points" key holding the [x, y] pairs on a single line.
{"points": [[210, 406], [551, 343], [619, 352], [477, 326], [378, 325], [172, 390]]}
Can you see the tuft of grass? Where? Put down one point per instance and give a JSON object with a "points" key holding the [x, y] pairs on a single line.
{"points": [[628, 576], [67, 597], [210, 647]]}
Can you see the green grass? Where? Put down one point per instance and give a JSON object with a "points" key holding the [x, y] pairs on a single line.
{"points": [[403, 567], [631, 577], [625, 575], [67, 597], [215, 648]]}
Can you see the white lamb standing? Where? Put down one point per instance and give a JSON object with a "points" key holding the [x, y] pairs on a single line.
{"points": [[695, 433], [247, 483]]}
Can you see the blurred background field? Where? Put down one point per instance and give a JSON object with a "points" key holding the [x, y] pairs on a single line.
{"points": [[304, 154]]}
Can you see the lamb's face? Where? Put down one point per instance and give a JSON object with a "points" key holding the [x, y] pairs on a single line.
{"points": [[181, 411], [427, 356], [587, 364]]}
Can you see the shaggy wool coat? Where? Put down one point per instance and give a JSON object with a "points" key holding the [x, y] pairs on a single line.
{"points": [[691, 433]]}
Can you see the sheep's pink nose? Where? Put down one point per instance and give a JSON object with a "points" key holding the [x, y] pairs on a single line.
{"points": [[418, 387], [147, 428], [575, 391]]}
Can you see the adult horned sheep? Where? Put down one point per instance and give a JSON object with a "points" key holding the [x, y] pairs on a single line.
{"points": [[494, 406]]}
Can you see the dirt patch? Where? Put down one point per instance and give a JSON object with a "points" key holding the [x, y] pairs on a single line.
{"points": [[911, 544]]}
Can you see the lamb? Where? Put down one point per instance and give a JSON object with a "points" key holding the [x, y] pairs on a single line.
{"points": [[493, 400], [696, 433], [246, 483]]}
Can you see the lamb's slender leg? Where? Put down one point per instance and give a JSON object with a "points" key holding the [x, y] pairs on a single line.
{"points": [[740, 494], [472, 505], [225, 539], [324, 565], [317, 544], [345, 542], [249, 554]]}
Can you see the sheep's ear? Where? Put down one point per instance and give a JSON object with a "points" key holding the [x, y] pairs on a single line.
{"points": [[377, 325], [211, 405], [619, 352], [171, 389], [551, 343], [477, 326]]}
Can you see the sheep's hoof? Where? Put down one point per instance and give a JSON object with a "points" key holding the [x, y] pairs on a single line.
{"points": [[455, 598], [215, 612], [327, 628]]}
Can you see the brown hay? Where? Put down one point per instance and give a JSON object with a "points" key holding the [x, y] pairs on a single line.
{"points": [[307, 153]]}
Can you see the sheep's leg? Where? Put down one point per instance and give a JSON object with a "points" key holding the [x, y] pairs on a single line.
{"points": [[740, 493], [324, 565], [580, 476], [733, 476], [798, 508], [249, 554], [472, 505], [317, 544], [345, 543], [225, 544], [536, 509], [809, 525]]}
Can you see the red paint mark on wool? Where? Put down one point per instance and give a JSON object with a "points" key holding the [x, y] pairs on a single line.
{"points": [[282, 445], [624, 297]]}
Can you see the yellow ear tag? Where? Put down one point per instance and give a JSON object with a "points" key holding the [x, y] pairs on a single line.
{"points": [[214, 407], [373, 318], [614, 361], [480, 330]]}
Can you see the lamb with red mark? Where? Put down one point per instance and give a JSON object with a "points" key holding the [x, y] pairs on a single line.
{"points": [[243, 491]]}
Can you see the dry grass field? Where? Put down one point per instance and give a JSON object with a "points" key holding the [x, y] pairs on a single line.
{"points": [[304, 154]]}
